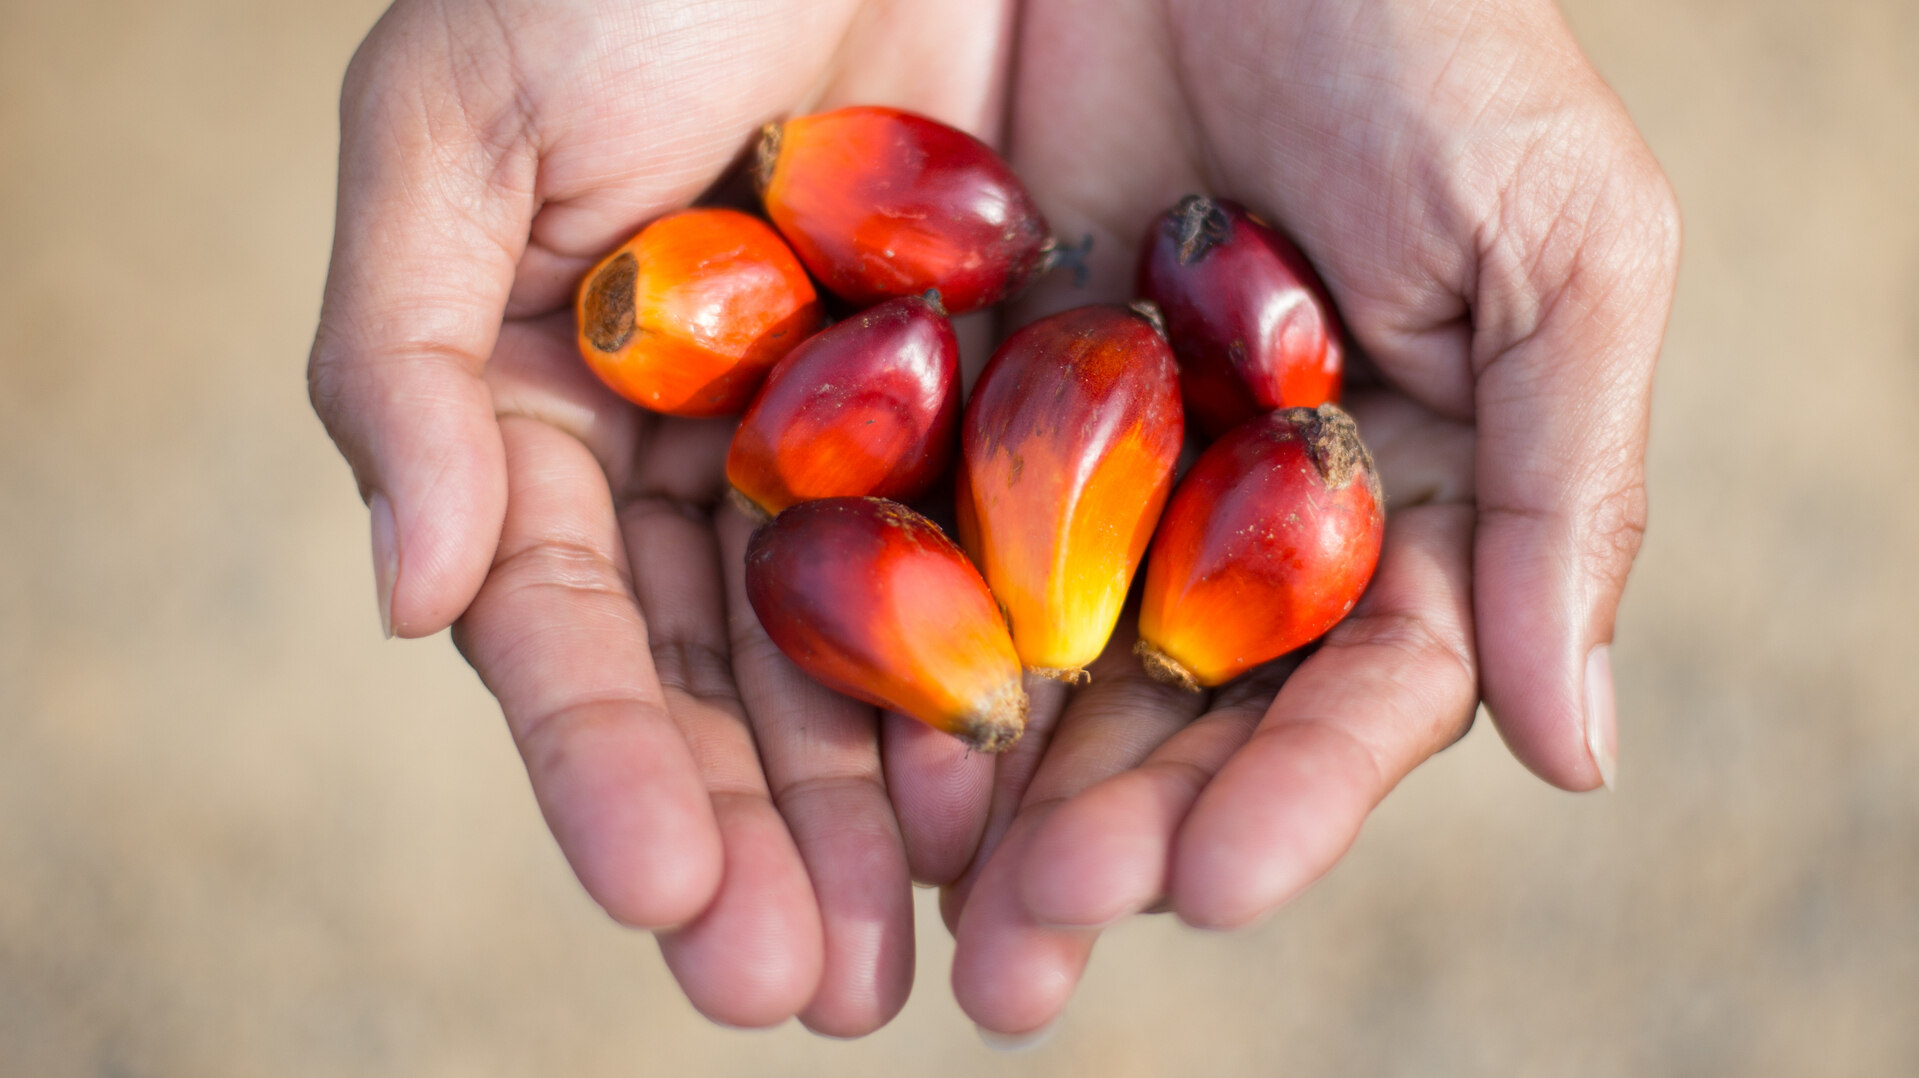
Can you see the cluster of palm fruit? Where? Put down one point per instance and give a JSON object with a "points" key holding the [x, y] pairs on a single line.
{"points": [[1062, 461]]}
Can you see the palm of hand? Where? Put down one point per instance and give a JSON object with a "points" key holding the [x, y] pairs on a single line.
{"points": [[697, 781]]}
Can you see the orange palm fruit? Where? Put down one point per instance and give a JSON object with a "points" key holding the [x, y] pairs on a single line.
{"points": [[868, 406], [687, 316], [1253, 327], [1068, 447], [871, 599], [879, 202], [1268, 542]]}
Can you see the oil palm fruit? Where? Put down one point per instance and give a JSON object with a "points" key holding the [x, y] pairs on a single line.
{"points": [[688, 316], [868, 406], [1253, 327], [1068, 447], [873, 600], [1268, 542], [879, 202]]}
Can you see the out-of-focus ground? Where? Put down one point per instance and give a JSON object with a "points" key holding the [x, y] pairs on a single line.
{"points": [[241, 834]]}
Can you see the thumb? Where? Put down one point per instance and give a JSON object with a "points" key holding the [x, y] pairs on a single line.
{"points": [[1571, 306], [432, 216]]}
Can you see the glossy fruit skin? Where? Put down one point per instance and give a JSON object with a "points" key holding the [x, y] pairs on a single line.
{"points": [[688, 316], [879, 203], [873, 600], [1067, 454], [868, 406], [1268, 542], [1251, 323]]}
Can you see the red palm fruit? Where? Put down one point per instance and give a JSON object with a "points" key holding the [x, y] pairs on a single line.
{"points": [[880, 203], [871, 599], [1068, 448], [687, 316], [867, 406], [1253, 327], [1267, 543]]}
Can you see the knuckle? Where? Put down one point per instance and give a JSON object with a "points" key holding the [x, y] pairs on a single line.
{"points": [[1665, 221], [695, 668], [1613, 527], [550, 738], [576, 568], [324, 389], [1409, 634], [333, 391]]}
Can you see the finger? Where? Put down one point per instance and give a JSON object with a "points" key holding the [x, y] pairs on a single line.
{"points": [[941, 791], [431, 219], [821, 754], [1104, 854], [754, 957], [1391, 685], [556, 636], [1573, 298], [1012, 973], [1013, 770], [536, 372]]}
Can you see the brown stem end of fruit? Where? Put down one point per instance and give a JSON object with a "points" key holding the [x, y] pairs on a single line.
{"points": [[765, 155], [1055, 255], [607, 313], [999, 720], [1199, 225], [1164, 668], [1147, 309], [932, 298], [1333, 445], [747, 506], [1077, 675]]}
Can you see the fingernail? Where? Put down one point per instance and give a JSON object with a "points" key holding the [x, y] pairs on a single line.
{"points": [[386, 558], [1017, 1042], [1602, 729]]}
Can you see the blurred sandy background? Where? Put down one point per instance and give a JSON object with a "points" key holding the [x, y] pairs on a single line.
{"points": [[240, 834]]}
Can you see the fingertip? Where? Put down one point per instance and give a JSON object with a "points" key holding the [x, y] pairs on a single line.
{"points": [[1212, 895], [625, 802], [940, 790], [1016, 1043], [753, 958], [430, 459], [657, 897], [448, 507], [846, 1021], [659, 871], [1010, 973], [1557, 719]]}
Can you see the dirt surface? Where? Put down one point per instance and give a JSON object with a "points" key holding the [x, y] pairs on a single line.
{"points": [[240, 834]]}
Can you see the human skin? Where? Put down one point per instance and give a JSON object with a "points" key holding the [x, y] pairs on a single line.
{"points": [[1498, 238]]}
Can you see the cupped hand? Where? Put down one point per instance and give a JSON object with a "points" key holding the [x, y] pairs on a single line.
{"points": [[1497, 237], [697, 783], [1503, 248]]}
